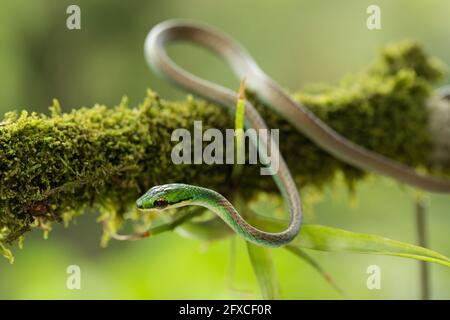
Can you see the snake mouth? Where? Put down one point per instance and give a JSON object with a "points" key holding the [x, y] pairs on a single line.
{"points": [[148, 210], [158, 205], [140, 205]]}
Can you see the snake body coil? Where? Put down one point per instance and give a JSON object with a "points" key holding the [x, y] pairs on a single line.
{"points": [[176, 195]]}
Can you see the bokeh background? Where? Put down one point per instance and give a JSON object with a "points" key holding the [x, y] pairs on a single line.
{"points": [[298, 43]]}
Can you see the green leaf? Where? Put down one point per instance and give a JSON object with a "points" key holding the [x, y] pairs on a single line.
{"points": [[324, 238], [318, 237], [265, 271]]}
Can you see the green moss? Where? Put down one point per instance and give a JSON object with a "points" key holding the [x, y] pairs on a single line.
{"points": [[54, 167]]}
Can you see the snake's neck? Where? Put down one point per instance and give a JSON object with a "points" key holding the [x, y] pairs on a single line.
{"points": [[215, 202], [205, 197]]}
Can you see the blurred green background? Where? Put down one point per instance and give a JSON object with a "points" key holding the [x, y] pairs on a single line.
{"points": [[297, 42]]}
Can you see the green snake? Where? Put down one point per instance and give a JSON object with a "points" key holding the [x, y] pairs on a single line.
{"points": [[176, 195]]}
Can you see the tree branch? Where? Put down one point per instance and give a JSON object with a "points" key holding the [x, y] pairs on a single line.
{"points": [[55, 166]]}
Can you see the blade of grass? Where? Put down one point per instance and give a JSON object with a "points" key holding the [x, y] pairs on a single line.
{"points": [[231, 272], [324, 238], [264, 268]]}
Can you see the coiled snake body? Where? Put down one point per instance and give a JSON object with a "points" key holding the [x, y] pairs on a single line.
{"points": [[176, 195]]}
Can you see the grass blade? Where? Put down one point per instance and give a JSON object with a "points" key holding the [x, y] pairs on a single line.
{"points": [[264, 268], [324, 238]]}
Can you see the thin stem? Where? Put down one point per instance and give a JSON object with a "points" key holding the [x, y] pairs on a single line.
{"points": [[239, 131], [177, 220], [174, 222], [422, 241], [313, 263]]}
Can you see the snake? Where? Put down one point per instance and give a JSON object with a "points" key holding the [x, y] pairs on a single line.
{"points": [[243, 65], [170, 196]]}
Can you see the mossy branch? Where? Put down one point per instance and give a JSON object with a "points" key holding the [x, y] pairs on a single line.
{"points": [[52, 167]]}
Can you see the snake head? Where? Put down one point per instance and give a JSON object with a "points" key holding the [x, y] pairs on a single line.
{"points": [[165, 196]]}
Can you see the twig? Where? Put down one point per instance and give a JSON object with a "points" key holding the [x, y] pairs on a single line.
{"points": [[175, 221]]}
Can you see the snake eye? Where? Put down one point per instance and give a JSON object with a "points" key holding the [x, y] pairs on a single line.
{"points": [[160, 203]]}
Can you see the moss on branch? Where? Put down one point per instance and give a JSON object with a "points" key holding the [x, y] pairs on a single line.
{"points": [[52, 167]]}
